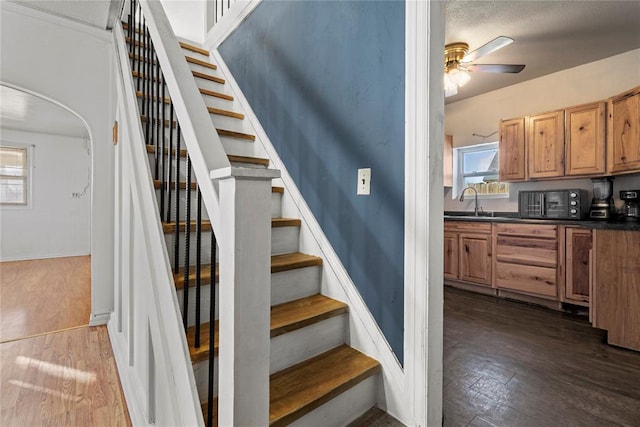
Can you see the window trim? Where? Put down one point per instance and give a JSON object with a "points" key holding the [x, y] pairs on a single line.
{"points": [[28, 177], [458, 176]]}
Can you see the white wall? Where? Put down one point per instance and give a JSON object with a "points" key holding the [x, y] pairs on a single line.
{"points": [[595, 81], [54, 224], [188, 18], [71, 64]]}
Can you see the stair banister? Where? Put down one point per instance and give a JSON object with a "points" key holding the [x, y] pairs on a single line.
{"points": [[200, 136]]}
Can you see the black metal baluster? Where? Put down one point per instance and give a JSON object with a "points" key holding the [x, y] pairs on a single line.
{"points": [[136, 36], [212, 314], [145, 74], [160, 125], [170, 150], [198, 262], [151, 138], [187, 241], [177, 190]]}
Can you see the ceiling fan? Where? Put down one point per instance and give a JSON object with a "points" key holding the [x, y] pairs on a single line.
{"points": [[458, 63]]}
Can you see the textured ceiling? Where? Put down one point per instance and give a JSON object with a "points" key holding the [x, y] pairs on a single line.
{"points": [[549, 35], [26, 112], [95, 13]]}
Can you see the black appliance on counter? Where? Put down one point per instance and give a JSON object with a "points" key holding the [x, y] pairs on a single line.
{"points": [[553, 204], [631, 209]]}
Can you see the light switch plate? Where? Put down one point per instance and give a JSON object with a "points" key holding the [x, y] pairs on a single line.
{"points": [[364, 182]]}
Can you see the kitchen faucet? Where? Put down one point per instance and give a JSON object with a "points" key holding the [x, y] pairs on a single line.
{"points": [[475, 191]]}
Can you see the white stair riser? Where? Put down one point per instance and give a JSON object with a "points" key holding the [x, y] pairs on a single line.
{"points": [[289, 349], [211, 85], [205, 257], [276, 205], [205, 303], [239, 147], [284, 240], [344, 408], [232, 123], [202, 68], [224, 104], [182, 204], [294, 284]]}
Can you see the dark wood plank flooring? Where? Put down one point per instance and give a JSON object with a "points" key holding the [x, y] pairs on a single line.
{"points": [[512, 364]]}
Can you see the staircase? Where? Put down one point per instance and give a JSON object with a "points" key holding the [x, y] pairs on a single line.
{"points": [[316, 378]]}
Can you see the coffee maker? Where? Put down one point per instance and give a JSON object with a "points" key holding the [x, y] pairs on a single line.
{"points": [[631, 208], [602, 206]]}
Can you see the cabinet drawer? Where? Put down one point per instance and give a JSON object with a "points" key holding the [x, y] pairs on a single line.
{"points": [[527, 278], [473, 226], [529, 230], [527, 251]]}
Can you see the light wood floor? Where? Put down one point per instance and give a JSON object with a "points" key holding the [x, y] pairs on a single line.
{"points": [[67, 378], [39, 296]]}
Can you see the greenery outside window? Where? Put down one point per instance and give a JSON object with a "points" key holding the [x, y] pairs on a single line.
{"points": [[477, 166], [14, 176]]}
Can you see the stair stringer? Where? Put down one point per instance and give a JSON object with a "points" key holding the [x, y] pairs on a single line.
{"points": [[364, 333], [156, 375]]}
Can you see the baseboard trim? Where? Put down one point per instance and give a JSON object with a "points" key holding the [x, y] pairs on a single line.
{"points": [[365, 334], [99, 319], [229, 22], [46, 256]]}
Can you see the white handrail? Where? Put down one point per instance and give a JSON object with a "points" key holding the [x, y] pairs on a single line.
{"points": [[200, 136]]}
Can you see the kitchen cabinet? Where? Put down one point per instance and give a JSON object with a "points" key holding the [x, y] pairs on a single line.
{"points": [[511, 149], [616, 287], [447, 161], [526, 259], [467, 255], [577, 265], [585, 137], [545, 145], [623, 139]]}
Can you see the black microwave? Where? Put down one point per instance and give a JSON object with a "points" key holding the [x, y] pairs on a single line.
{"points": [[553, 204]]}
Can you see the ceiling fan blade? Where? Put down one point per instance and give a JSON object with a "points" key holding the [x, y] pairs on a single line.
{"points": [[492, 46], [495, 68]]}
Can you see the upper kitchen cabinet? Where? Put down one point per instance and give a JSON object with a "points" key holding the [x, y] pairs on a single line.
{"points": [[512, 152], [623, 140], [585, 139], [545, 145], [447, 158]]}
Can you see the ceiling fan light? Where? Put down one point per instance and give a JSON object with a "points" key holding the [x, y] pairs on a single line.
{"points": [[450, 88], [459, 77]]}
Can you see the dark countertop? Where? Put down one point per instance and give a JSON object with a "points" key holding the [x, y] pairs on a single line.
{"points": [[513, 217]]}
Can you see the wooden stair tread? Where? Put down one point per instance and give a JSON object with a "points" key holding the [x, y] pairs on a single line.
{"points": [[277, 190], [232, 158], [157, 183], [197, 61], [193, 48], [296, 391], [205, 276], [221, 132], [287, 317], [167, 100], [215, 94], [207, 77], [292, 261], [285, 222], [169, 227], [221, 112]]}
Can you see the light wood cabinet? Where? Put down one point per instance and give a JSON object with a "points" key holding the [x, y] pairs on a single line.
{"points": [[585, 138], [616, 287], [545, 145], [447, 161], [623, 139], [577, 266], [467, 252], [511, 149], [450, 255], [526, 259]]}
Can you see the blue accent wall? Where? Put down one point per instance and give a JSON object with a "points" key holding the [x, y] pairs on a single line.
{"points": [[326, 80]]}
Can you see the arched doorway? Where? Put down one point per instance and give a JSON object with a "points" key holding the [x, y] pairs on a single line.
{"points": [[45, 216]]}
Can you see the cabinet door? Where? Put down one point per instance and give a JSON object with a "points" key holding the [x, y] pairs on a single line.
{"points": [[450, 255], [623, 139], [447, 166], [545, 142], [511, 149], [585, 139], [475, 258], [578, 246]]}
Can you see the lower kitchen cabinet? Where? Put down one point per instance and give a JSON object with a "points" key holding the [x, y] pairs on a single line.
{"points": [[578, 243], [526, 259], [467, 252]]}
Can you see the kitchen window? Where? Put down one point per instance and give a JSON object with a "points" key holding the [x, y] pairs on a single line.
{"points": [[14, 176], [477, 166]]}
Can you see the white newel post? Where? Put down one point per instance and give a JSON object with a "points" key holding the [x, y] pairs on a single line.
{"points": [[245, 295]]}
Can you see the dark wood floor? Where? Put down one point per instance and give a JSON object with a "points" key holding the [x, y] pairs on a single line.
{"points": [[511, 364]]}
